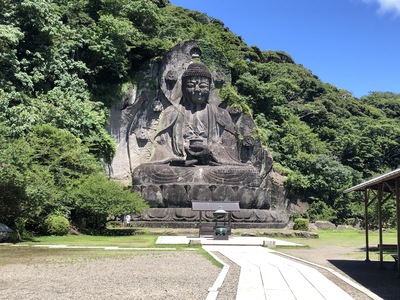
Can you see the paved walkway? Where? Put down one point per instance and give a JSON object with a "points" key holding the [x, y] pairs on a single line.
{"points": [[265, 275]]}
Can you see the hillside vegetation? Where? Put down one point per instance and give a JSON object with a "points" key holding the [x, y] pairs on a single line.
{"points": [[63, 63]]}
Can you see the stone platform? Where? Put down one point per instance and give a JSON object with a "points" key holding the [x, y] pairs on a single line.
{"points": [[187, 218], [180, 195]]}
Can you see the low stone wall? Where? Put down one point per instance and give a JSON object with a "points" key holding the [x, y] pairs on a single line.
{"points": [[302, 234], [185, 215], [234, 225]]}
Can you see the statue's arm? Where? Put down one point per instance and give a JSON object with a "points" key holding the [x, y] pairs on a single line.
{"points": [[225, 151], [165, 146], [167, 120], [224, 120]]}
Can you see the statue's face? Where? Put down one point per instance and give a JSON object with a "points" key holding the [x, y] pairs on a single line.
{"points": [[196, 89]]}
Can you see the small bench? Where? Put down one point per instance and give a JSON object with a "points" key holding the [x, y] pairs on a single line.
{"points": [[387, 247], [390, 249]]}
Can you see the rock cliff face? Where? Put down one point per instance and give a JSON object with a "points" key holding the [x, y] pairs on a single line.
{"points": [[135, 124]]}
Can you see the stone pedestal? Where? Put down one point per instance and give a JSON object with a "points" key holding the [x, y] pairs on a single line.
{"points": [[180, 196]]}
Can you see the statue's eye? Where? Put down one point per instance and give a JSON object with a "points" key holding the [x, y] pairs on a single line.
{"points": [[203, 85], [190, 84]]}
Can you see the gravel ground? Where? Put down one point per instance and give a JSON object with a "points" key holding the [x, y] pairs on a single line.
{"points": [[229, 287], [162, 275]]}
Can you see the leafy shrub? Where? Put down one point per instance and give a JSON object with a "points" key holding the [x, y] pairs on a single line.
{"points": [[320, 211], [301, 224], [297, 215], [20, 231], [95, 198], [56, 225]]}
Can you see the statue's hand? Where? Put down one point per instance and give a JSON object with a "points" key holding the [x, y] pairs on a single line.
{"points": [[199, 150], [183, 163]]}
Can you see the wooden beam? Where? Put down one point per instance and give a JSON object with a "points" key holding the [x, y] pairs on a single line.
{"points": [[388, 196], [392, 189], [371, 199]]}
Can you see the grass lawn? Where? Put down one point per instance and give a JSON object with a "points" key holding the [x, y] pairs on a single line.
{"points": [[31, 252], [346, 238], [340, 243], [135, 241]]}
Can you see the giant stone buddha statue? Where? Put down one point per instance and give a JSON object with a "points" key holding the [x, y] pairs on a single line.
{"points": [[178, 143], [196, 142]]}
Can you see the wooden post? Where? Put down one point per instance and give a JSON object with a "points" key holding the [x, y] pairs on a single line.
{"points": [[397, 191], [200, 217], [230, 221], [380, 196], [366, 225]]}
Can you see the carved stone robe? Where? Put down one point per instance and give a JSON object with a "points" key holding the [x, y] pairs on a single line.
{"points": [[179, 125]]}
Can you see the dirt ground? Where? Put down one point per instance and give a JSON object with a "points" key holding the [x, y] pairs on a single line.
{"points": [[322, 255]]}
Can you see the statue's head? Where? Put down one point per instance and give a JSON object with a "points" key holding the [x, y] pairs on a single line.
{"points": [[196, 82]]}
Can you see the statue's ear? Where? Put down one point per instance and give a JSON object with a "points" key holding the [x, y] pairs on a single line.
{"points": [[213, 97], [171, 79]]}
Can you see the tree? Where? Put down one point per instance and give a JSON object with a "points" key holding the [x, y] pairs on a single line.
{"points": [[35, 171], [49, 171], [388, 103], [94, 198], [44, 44]]}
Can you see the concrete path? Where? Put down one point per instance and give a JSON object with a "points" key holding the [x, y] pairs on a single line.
{"points": [[265, 275]]}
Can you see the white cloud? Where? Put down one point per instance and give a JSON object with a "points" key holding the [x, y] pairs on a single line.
{"points": [[387, 6]]}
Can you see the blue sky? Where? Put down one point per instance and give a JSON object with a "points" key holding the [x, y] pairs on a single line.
{"points": [[352, 44]]}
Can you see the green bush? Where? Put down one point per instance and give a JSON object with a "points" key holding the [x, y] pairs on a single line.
{"points": [[320, 211], [301, 224], [56, 225], [20, 231]]}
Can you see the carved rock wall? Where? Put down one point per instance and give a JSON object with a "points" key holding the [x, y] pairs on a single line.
{"points": [[134, 122]]}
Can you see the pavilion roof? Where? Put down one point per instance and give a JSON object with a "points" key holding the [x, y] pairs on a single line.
{"points": [[388, 178]]}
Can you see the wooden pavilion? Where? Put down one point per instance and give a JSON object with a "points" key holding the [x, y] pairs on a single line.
{"points": [[380, 189]]}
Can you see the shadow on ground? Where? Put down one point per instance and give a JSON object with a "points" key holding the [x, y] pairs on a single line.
{"points": [[382, 282]]}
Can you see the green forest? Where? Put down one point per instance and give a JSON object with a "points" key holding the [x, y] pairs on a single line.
{"points": [[63, 63]]}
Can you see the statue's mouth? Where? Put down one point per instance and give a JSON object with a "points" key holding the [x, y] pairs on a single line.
{"points": [[199, 97]]}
